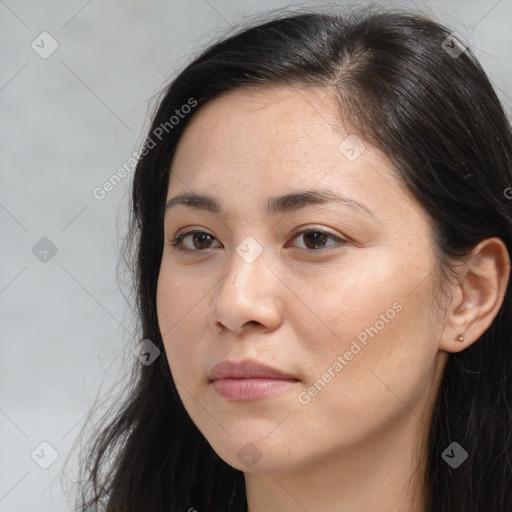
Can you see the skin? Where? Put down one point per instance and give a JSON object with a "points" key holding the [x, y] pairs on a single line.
{"points": [[359, 444]]}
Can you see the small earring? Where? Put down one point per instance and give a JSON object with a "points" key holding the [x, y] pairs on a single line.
{"points": [[460, 338]]}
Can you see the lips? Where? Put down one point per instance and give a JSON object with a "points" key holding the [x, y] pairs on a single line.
{"points": [[248, 380], [247, 369]]}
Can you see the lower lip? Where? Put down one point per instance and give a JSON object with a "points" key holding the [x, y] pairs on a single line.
{"points": [[249, 389]]}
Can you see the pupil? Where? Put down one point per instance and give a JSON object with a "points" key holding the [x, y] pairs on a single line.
{"points": [[203, 238], [316, 237]]}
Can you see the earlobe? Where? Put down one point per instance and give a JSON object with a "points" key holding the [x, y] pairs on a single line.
{"points": [[480, 292]]}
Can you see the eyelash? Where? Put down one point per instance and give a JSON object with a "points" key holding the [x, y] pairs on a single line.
{"points": [[175, 243]]}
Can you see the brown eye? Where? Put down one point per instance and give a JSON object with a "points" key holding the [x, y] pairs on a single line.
{"points": [[200, 240], [316, 239]]}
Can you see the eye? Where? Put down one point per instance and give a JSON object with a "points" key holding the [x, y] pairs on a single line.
{"points": [[200, 237], [316, 237], [200, 240]]}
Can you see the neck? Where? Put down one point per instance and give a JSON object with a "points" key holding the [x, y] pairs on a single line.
{"points": [[385, 474]]}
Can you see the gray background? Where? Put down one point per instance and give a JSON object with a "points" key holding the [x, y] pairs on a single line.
{"points": [[68, 123]]}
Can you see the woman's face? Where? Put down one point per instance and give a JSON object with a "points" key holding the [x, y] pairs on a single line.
{"points": [[335, 294]]}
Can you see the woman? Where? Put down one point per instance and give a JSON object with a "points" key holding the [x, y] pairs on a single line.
{"points": [[322, 236]]}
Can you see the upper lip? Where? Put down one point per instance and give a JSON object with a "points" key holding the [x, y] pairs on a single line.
{"points": [[246, 369]]}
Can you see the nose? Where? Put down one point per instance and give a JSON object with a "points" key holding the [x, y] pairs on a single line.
{"points": [[248, 294]]}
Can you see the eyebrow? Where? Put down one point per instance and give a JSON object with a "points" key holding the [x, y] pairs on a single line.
{"points": [[275, 205]]}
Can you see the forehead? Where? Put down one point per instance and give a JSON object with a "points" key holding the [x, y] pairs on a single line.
{"points": [[267, 125], [265, 142]]}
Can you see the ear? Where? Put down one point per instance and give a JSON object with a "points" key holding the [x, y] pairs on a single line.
{"points": [[478, 296]]}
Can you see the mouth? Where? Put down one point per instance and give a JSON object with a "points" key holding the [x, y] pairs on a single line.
{"points": [[249, 389], [248, 380]]}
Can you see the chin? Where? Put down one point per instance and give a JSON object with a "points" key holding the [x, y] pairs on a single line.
{"points": [[256, 454]]}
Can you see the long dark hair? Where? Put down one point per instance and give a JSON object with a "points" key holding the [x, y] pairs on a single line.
{"points": [[411, 88]]}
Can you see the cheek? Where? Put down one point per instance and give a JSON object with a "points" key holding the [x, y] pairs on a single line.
{"points": [[376, 316], [378, 364], [353, 302], [181, 313]]}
